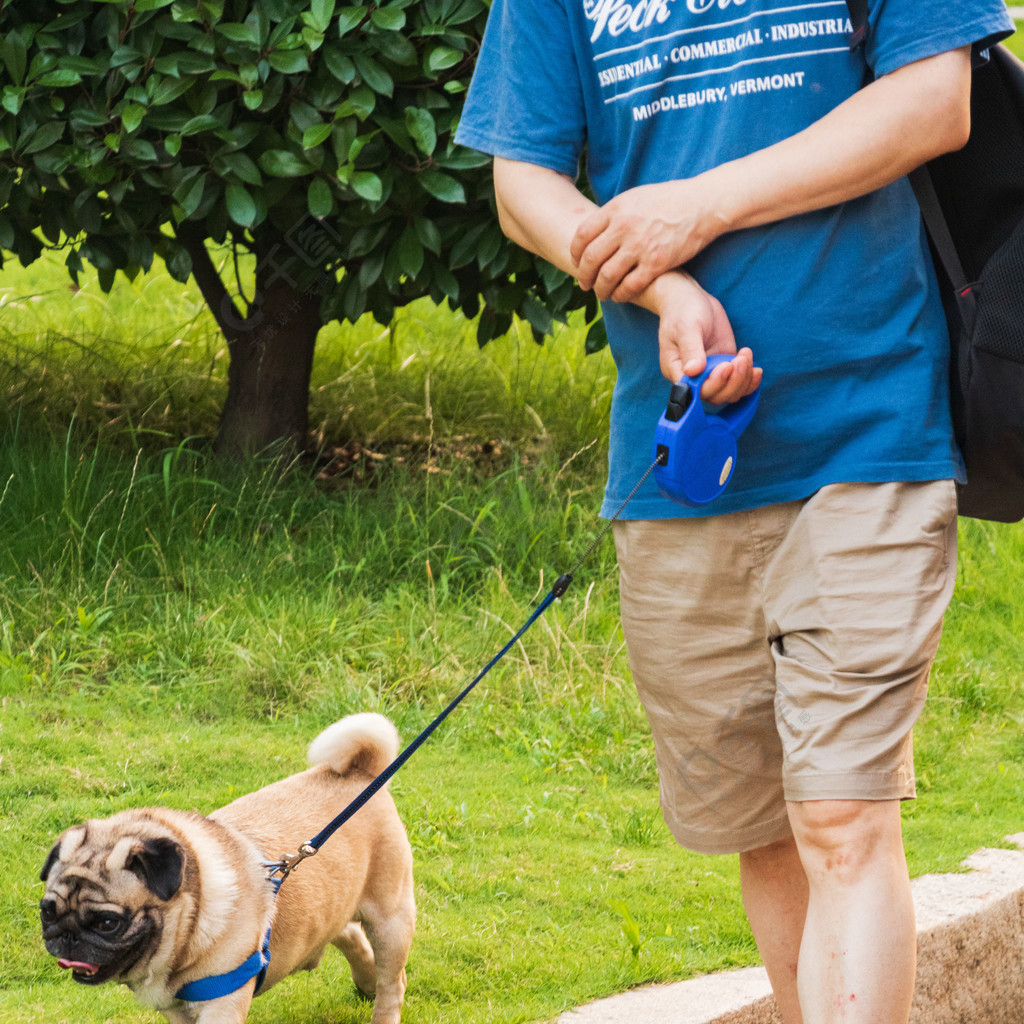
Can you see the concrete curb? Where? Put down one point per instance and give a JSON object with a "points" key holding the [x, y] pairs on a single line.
{"points": [[970, 937]]}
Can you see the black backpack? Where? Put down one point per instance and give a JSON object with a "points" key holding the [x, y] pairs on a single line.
{"points": [[972, 202]]}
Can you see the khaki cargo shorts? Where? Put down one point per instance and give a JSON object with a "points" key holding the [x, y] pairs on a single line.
{"points": [[783, 653]]}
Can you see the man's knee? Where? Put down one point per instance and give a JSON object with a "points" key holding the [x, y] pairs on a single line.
{"points": [[842, 837]]}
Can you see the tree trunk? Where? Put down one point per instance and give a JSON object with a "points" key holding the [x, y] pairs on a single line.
{"points": [[270, 350], [268, 376]]}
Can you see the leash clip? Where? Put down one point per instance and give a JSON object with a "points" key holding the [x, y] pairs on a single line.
{"points": [[288, 863]]}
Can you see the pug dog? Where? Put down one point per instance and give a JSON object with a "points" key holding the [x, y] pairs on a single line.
{"points": [[157, 899]]}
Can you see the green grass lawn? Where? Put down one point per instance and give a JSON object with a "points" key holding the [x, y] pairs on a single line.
{"points": [[173, 631]]}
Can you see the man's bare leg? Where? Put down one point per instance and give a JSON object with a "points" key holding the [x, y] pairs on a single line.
{"points": [[775, 896], [859, 952]]}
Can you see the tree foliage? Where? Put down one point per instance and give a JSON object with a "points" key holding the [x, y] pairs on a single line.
{"points": [[316, 135]]}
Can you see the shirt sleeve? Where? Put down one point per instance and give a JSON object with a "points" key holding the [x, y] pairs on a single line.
{"points": [[525, 100], [903, 31]]}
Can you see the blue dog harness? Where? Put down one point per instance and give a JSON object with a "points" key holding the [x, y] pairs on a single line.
{"points": [[204, 989]]}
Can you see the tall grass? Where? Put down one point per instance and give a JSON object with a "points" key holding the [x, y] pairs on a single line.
{"points": [[175, 631]]}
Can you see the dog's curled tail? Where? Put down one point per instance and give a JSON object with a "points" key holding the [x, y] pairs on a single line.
{"points": [[366, 742]]}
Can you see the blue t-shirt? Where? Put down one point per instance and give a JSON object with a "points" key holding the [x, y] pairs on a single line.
{"points": [[839, 306]]}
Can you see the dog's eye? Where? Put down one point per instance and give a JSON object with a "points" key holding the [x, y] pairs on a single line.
{"points": [[107, 924]]}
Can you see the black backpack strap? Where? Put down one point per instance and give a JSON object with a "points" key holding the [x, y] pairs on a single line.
{"points": [[859, 18], [945, 249], [938, 229]]}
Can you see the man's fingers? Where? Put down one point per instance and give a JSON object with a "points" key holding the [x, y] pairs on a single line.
{"points": [[609, 283], [732, 381], [633, 284], [587, 230], [602, 266], [681, 347]]}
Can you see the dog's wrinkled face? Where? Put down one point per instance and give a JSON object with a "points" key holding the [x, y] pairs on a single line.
{"points": [[103, 908]]}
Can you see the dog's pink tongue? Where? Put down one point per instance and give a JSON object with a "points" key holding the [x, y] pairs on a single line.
{"points": [[77, 965]]}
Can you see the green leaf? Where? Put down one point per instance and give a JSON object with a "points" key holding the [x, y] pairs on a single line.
{"points": [[420, 125], [391, 19], [359, 101], [282, 163], [348, 18], [168, 90], [465, 247], [537, 313], [320, 14], [410, 253], [191, 195], [289, 62], [253, 99], [374, 75], [367, 185], [14, 54], [442, 186], [202, 123], [597, 336], [313, 38], [319, 199], [172, 144], [105, 278], [315, 135], [241, 166], [241, 206], [237, 32], [125, 55], [59, 78], [12, 99], [397, 48], [190, 63], [339, 64], [428, 233], [441, 58], [178, 261], [44, 137], [151, 5], [369, 270], [131, 116], [139, 149], [83, 65]]}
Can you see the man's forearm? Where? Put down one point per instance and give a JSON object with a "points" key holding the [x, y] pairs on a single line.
{"points": [[879, 134], [540, 209]]}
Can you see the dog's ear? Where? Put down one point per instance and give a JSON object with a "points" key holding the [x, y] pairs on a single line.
{"points": [[50, 861], [160, 863]]}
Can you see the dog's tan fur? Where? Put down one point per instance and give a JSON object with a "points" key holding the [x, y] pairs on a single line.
{"points": [[356, 893]]}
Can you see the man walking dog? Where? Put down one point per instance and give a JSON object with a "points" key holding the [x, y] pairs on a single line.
{"points": [[749, 168]]}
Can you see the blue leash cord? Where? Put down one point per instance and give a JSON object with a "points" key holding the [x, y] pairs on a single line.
{"points": [[284, 867], [561, 585], [288, 863]]}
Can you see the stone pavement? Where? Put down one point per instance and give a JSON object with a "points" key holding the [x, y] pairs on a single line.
{"points": [[970, 936]]}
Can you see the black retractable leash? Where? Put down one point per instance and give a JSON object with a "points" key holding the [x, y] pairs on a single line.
{"points": [[694, 456]]}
